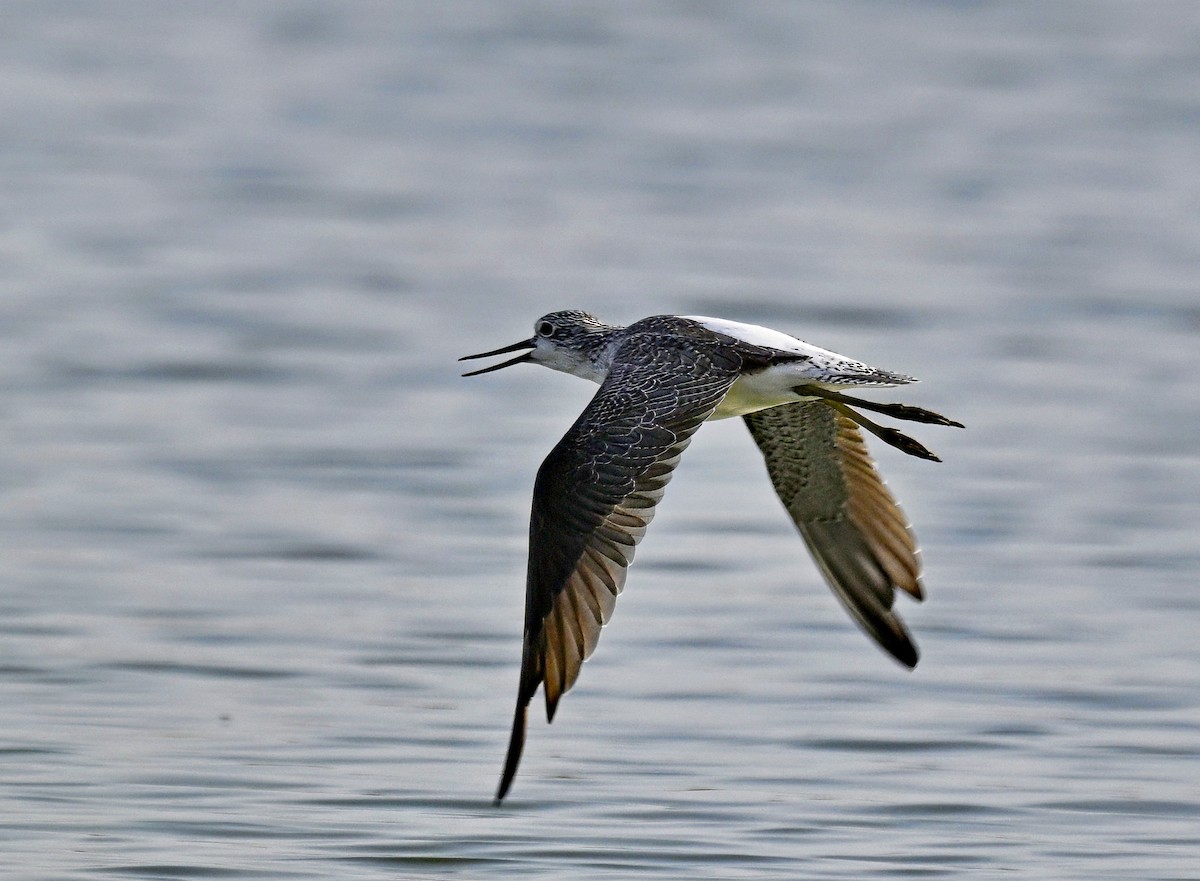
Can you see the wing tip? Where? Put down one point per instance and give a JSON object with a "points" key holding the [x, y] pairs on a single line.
{"points": [[888, 632], [905, 652], [516, 744], [893, 637]]}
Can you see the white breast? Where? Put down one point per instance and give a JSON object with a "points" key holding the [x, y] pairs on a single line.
{"points": [[758, 391]]}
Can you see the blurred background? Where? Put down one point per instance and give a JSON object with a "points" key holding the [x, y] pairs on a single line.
{"points": [[262, 575]]}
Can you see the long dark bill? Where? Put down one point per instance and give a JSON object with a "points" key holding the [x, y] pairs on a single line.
{"points": [[524, 344]]}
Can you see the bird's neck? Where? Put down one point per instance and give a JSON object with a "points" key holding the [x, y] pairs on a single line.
{"points": [[592, 360]]}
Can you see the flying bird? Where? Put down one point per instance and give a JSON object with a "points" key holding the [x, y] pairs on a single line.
{"points": [[660, 378]]}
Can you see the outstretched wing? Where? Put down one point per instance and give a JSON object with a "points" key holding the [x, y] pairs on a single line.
{"points": [[856, 532], [594, 496]]}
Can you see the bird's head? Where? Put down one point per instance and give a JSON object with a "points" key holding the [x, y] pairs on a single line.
{"points": [[570, 340]]}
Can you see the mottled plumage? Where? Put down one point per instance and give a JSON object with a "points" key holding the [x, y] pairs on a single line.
{"points": [[660, 379]]}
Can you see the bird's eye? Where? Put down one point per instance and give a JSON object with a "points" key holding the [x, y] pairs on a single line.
{"points": [[545, 329]]}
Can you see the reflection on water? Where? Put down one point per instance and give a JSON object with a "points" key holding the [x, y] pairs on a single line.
{"points": [[264, 550]]}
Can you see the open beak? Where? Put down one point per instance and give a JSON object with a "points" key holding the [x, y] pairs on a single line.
{"points": [[524, 344]]}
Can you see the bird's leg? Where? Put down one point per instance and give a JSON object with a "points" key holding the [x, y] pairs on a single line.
{"points": [[890, 436], [897, 411]]}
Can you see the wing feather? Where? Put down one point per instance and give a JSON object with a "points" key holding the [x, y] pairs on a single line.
{"points": [[856, 532], [875, 511], [594, 498]]}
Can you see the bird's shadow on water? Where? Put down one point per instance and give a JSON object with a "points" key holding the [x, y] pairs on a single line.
{"points": [[671, 832], [623, 834]]}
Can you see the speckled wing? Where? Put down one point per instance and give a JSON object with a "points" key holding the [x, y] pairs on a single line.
{"points": [[593, 498], [859, 537]]}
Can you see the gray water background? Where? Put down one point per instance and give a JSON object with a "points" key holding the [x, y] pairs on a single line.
{"points": [[263, 549]]}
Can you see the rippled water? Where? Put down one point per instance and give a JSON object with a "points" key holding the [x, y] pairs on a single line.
{"points": [[264, 550]]}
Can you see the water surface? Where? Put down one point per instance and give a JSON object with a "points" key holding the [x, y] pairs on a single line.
{"points": [[264, 550]]}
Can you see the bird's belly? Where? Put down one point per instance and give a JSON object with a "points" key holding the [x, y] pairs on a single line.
{"points": [[759, 391]]}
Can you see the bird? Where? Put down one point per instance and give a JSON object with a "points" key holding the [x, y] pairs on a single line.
{"points": [[660, 378]]}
